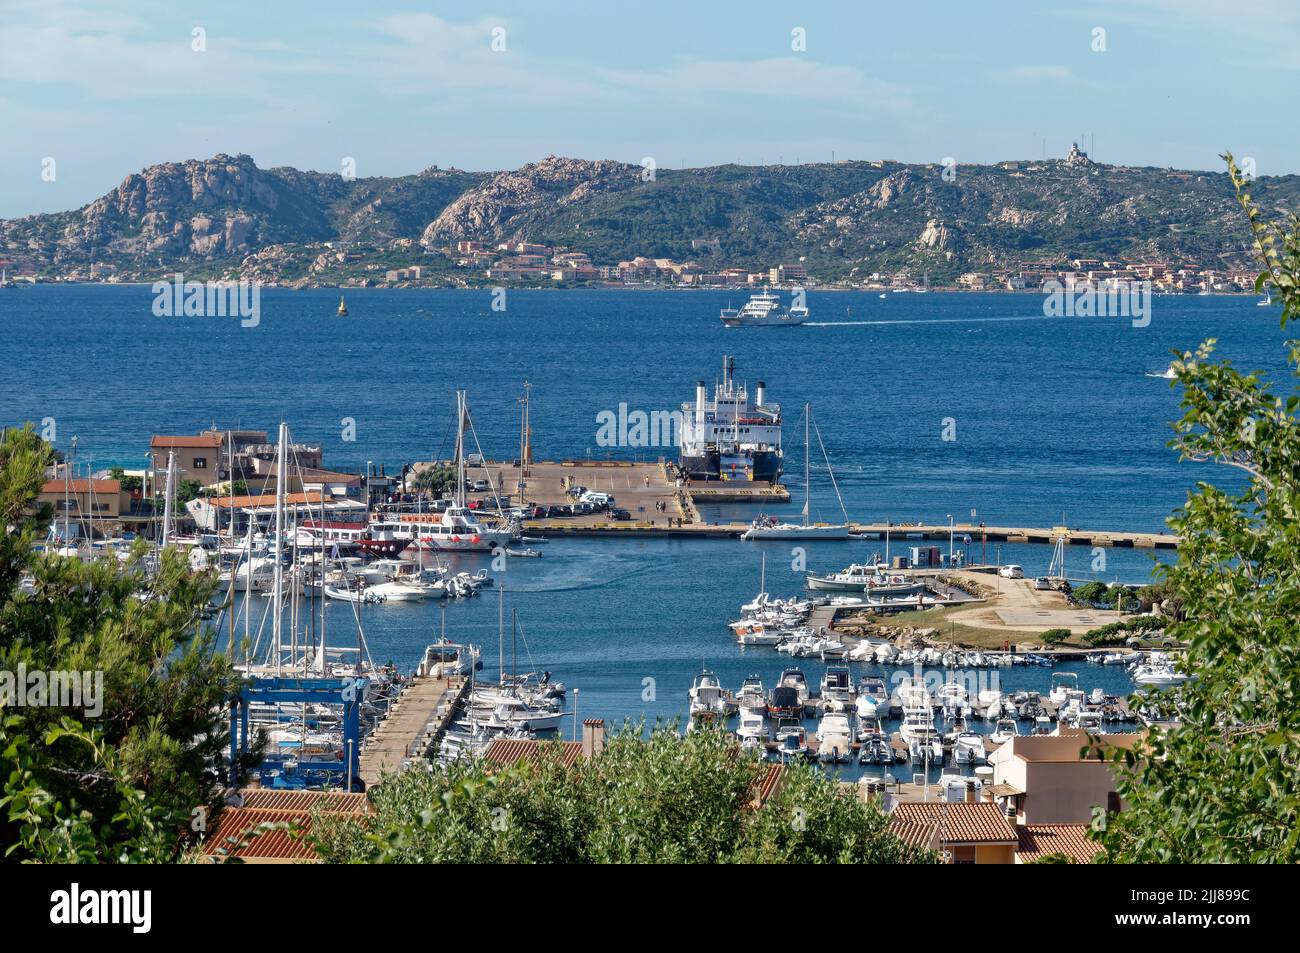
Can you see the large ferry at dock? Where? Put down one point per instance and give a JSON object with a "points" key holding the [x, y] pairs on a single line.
{"points": [[764, 310], [731, 437]]}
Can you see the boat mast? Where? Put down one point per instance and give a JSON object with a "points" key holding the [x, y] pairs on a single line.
{"points": [[168, 496], [460, 449], [807, 471], [277, 596]]}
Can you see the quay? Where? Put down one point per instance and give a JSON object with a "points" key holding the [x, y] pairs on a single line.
{"points": [[661, 503], [414, 725]]}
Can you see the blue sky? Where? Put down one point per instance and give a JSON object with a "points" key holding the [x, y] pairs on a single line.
{"points": [[108, 88]]}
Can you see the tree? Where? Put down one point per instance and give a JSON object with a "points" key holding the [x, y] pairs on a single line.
{"points": [[118, 776], [655, 799], [1055, 636], [1090, 592], [1223, 786], [434, 480]]}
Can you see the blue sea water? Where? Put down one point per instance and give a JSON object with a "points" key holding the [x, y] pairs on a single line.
{"points": [[1056, 419]]}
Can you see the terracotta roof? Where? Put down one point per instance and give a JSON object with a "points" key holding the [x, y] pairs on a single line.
{"points": [[235, 825], [161, 440], [768, 784], [959, 822], [81, 485], [1039, 840], [922, 834], [510, 751]]}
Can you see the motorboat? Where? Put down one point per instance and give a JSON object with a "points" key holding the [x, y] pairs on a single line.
{"points": [[708, 700], [792, 744], [968, 748], [794, 678], [1003, 731], [752, 729], [866, 579], [834, 738], [1062, 683], [874, 745], [751, 694], [873, 698]]}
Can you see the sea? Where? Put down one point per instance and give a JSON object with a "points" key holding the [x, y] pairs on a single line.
{"points": [[977, 406]]}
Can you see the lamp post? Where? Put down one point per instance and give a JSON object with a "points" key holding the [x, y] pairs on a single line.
{"points": [[950, 530]]}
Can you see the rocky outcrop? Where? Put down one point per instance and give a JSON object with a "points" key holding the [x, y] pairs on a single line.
{"points": [[509, 205]]}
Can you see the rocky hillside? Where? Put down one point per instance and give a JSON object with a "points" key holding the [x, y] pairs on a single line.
{"points": [[845, 219]]}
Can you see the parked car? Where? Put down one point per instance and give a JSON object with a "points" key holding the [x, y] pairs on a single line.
{"points": [[1012, 572], [576, 491], [1043, 583], [478, 486], [600, 499], [620, 514], [1155, 640]]}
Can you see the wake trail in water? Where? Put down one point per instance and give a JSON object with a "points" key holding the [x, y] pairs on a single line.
{"points": [[582, 585], [848, 324]]}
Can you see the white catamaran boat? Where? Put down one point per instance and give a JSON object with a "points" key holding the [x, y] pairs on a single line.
{"points": [[768, 528]]}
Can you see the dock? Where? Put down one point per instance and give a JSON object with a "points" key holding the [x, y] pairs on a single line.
{"points": [[418, 718], [661, 503]]}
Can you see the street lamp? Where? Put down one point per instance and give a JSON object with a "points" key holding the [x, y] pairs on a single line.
{"points": [[950, 526]]}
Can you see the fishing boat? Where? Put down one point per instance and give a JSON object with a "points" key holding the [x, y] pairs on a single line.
{"points": [[770, 528]]}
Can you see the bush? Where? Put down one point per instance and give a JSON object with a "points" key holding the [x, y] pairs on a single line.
{"points": [[1055, 636]]}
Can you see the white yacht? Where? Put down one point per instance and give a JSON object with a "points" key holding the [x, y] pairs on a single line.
{"points": [[752, 729], [873, 698], [708, 700], [834, 738]]}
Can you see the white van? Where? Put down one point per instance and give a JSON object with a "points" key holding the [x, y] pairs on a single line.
{"points": [[599, 499]]}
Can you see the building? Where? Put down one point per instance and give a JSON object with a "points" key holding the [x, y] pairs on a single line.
{"points": [[1047, 779], [232, 514], [197, 457], [965, 832], [84, 508]]}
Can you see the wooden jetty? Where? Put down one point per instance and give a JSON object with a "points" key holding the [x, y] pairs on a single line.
{"points": [[416, 721]]}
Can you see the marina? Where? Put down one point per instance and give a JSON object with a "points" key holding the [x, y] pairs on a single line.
{"points": [[363, 575]]}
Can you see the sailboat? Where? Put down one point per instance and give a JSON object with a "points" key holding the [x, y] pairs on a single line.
{"points": [[1267, 302], [343, 307], [768, 528]]}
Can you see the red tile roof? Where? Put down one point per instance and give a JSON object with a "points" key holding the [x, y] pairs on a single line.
{"points": [[235, 831], [508, 752], [172, 442], [1039, 840], [958, 822]]}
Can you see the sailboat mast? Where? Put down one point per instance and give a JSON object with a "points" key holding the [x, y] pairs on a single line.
{"points": [[460, 448], [807, 470], [277, 596]]}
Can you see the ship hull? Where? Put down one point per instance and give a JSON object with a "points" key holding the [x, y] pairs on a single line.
{"points": [[764, 466], [782, 321]]}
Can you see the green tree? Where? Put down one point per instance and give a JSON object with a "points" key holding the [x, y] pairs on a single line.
{"points": [[119, 779], [1090, 592], [655, 799], [1055, 636], [434, 480], [1222, 786]]}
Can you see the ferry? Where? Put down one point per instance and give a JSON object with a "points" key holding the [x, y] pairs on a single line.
{"points": [[764, 310], [731, 437]]}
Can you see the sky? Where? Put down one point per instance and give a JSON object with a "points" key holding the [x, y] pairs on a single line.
{"points": [[106, 89]]}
